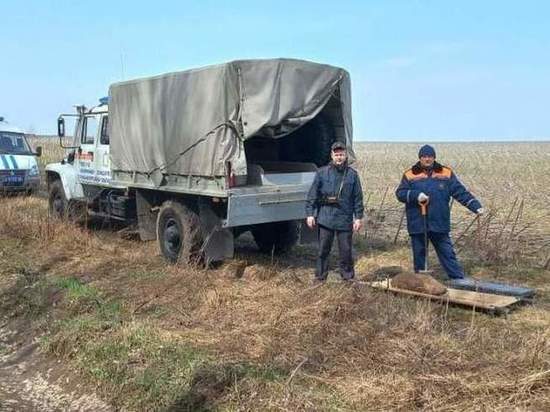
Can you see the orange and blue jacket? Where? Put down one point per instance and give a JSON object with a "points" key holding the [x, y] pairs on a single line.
{"points": [[440, 184]]}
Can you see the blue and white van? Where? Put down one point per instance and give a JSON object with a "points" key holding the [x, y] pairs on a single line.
{"points": [[18, 167]]}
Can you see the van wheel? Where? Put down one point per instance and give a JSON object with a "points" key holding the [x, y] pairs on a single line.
{"points": [[276, 237], [179, 233], [57, 201]]}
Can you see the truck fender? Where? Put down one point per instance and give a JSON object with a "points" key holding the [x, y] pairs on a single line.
{"points": [[147, 202], [218, 241], [67, 174]]}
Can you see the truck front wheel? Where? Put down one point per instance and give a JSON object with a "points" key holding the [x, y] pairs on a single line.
{"points": [[61, 208], [179, 233], [57, 201], [276, 237]]}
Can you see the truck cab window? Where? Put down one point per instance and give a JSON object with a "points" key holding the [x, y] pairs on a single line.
{"points": [[90, 129], [104, 138]]}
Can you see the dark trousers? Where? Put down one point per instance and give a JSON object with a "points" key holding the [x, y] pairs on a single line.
{"points": [[326, 237], [445, 253]]}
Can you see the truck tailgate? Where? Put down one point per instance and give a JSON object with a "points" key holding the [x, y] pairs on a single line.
{"points": [[262, 204]]}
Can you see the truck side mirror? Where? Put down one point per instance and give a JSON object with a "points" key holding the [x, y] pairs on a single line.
{"points": [[61, 127], [38, 151]]}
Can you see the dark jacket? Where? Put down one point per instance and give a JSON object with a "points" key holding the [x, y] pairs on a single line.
{"points": [[439, 183], [350, 205]]}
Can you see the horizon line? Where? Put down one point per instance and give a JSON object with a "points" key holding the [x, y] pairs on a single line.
{"points": [[455, 140], [401, 140]]}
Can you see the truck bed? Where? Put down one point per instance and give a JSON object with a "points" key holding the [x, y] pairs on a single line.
{"points": [[276, 191]]}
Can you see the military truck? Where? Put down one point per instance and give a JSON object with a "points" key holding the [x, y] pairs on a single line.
{"points": [[195, 158], [19, 171]]}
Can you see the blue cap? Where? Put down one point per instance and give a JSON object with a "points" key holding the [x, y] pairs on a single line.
{"points": [[426, 150]]}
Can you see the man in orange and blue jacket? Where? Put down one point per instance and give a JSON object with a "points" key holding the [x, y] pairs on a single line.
{"points": [[434, 184]]}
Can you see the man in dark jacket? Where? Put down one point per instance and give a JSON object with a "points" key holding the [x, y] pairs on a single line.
{"points": [[335, 205], [433, 184]]}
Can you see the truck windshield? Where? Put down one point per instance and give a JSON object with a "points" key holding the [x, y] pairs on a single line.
{"points": [[13, 143]]}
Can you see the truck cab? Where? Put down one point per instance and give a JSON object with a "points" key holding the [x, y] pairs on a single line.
{"points": [[82, 182], [19, 172]]}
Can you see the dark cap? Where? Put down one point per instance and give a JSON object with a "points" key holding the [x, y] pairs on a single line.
{"points": [[426, 150], [338, 146]]}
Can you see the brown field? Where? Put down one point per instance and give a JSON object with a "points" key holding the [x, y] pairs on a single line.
{"points": [[145, 335]]}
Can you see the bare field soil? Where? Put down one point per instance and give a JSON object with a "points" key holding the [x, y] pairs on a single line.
{"points": [[256, 334]]}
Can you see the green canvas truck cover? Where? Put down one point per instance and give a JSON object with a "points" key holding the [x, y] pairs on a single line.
{"points": [[193, 122]]}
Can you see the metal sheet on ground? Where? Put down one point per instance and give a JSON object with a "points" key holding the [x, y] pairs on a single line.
{"points": [[492, 288], [485, 301]]}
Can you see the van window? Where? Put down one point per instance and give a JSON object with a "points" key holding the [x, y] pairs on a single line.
{"points": [[13, 143], [91, 124]]}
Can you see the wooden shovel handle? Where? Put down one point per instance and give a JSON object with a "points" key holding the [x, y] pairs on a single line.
{"points": [[424, 208]]}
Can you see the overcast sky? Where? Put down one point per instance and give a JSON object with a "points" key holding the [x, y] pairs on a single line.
{"points": [[438, 70]]}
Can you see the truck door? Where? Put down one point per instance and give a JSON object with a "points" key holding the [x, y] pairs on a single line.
{"points": [[101, 156], [85, 154]]}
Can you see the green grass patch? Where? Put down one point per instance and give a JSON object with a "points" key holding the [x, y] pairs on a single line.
{"points": [[136, 368], [83, 298], [140, 370], [76, 290]]}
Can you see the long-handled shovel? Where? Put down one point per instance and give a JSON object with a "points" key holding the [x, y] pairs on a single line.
{"points": [[424, 212]]}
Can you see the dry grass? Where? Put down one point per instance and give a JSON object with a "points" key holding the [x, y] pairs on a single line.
{"points": [[161, 337], [333, 347]]}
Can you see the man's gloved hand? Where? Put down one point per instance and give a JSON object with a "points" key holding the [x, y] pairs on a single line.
{"points": [[310, 221], [480, 211], [423, 197], [357, 224]]}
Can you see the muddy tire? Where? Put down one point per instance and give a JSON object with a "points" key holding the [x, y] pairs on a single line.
{"points": [[179, 233], [276, 237], [58, 205], [61, 208]]}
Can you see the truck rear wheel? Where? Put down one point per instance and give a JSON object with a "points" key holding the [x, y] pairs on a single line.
{"points": [[179, 233], [276, 237]]}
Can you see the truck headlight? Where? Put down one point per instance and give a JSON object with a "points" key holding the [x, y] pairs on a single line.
{"points": [[34, 171]]}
